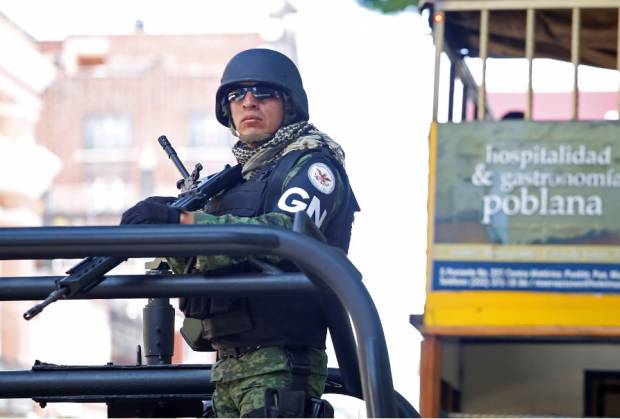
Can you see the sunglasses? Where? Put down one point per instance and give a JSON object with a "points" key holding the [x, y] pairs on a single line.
{"points": [[259, 92]]}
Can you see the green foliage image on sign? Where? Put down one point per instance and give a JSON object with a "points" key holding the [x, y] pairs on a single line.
{"points": [[517, 182]]}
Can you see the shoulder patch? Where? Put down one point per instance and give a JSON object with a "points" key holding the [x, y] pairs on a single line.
{"points": [[322, 178]]}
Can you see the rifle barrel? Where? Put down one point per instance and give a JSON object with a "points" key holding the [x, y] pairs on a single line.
{"points": [[172, 154]]}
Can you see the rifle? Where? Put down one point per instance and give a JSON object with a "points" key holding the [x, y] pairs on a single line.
{"points": [[194, 195]]}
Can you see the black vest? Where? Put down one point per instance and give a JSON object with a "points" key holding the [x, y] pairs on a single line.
{"points": [[260, 194], [271, 320]]}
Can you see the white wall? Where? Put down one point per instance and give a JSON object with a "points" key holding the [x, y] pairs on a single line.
{"points": [[531, 379]]}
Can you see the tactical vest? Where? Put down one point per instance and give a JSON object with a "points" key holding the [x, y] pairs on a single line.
{"points": [[272, 320]]}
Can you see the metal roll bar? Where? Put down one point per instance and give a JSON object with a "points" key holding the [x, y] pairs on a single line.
{"points": [[325, 266], [159, 286], [42, 381]]}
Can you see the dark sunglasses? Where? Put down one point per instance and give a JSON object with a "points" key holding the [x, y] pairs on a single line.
{"points": [[259, 92]]}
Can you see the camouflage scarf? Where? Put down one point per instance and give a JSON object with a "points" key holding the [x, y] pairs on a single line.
{"points": [[298, 136]]}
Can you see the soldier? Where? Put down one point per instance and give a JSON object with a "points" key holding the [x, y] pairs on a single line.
{"points": [[288, 165]]}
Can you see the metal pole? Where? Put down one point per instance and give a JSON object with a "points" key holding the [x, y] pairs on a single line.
{"points": [[576, 24], [484, 41], [158, 324], [438, 22], [328, 267], [529, 54], [158, 331], [97, 384], [65, 381], [451, 93], [464, 103], [160, 286], [476, 5]]}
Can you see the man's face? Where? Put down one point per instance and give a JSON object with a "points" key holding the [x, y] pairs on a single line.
{"points": [[255, 118]]}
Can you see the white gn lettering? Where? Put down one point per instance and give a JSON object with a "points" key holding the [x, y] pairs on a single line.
{"points": [[295, 205]]}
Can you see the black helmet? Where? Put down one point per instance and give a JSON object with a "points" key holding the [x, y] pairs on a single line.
{"points": [[265, 66]]}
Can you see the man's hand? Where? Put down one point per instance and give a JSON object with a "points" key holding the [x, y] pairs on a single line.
{"points": [[153, 210], [187, 218]]}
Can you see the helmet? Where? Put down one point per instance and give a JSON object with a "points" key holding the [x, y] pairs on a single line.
{"points": [[265, 66]]}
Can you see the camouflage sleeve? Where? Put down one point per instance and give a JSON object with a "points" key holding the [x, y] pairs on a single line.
{"points": [[312, 185], [213, 262]]}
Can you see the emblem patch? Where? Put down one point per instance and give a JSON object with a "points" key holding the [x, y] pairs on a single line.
{"points": [[322, 178]]}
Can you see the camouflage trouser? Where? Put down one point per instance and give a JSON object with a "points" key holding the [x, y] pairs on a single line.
{"points": [[240, 383]]}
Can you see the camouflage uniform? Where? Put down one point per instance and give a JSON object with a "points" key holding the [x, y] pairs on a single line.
{"points": [[241, 381], [296, 168], [274, 219]]}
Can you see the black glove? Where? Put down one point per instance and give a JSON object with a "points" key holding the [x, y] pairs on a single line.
{"points": [[153, 210]]}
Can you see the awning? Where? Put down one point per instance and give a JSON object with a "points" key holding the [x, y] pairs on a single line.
{"points": [[598, 36]]}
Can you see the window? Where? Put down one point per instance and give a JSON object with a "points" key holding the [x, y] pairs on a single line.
{"points": [[107, 131], [602, 394], [205, 131], [107, 162]]}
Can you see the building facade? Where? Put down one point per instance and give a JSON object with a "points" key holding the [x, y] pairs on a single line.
{"points": [[26, 171], [79, 123], [113, 97]]}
